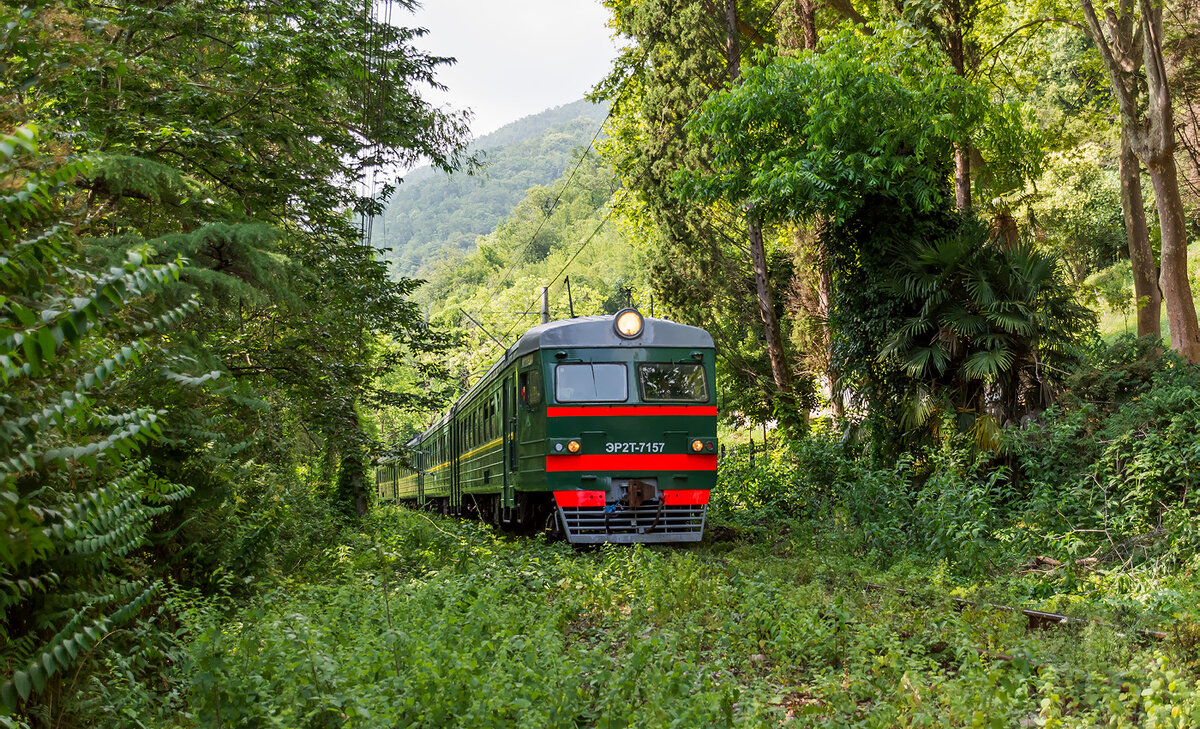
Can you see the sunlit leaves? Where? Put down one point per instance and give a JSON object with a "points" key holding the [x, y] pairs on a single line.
{"points": [[814, 134]]}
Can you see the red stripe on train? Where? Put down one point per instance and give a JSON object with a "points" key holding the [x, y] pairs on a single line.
{"points": [[639, 462], [579, 498], [564, 412], [690, 497]]}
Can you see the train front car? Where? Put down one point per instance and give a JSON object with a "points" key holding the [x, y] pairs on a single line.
{"points": [[631, 427]]}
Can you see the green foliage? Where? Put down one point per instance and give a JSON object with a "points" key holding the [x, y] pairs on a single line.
{"points": [[868, 116], [75, 505], [1120, 457], [994, 326], [789, 478], [437, 622], [243, 142], [1077, 213]]}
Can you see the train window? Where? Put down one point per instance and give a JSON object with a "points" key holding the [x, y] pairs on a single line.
{"points": [[531, 387], [672, 381], [591, 383]]}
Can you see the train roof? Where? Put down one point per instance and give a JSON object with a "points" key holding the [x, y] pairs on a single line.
{"points": [[585, 331], [598, 331]]}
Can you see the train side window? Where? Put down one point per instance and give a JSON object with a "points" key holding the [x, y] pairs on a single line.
{"points": [[608, 382], [530, 382]]}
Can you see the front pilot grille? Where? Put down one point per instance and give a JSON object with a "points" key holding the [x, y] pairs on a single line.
{"points": [[650, 522]]}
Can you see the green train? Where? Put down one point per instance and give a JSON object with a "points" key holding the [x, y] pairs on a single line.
{"points": [[601, 428]]}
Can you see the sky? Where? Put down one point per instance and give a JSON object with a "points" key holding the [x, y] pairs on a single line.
{"points": [[515, 57]]}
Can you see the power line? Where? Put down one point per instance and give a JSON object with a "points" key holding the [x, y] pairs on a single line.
{"points": [[567, 265], [517, 260]]}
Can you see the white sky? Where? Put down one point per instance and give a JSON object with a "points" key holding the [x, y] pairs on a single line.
{"points": [[515, 57]]}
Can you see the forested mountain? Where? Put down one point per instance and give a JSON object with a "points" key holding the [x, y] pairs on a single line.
{"points": [[434, 212]]}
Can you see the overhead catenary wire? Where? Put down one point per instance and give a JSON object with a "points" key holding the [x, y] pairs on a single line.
{"points": [[563, 270], [554, 206]]}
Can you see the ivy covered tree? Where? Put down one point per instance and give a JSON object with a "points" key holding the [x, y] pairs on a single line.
{"points": [[862, 137]]}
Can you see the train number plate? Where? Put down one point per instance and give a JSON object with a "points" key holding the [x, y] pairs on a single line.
{"points": [[634, 447]]}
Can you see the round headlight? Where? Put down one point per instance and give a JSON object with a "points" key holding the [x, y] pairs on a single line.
{"points": [[629, 323], [573, 446], [697, 446]]}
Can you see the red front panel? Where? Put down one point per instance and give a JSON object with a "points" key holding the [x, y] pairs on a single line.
{"points": [[579, 498], [691, 497], [587, 410], [641, 462]]}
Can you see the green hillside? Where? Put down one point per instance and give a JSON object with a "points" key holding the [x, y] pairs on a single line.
{"points": [[433, 212]]}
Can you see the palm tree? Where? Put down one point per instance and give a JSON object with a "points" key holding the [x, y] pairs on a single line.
{"points": [[991, 329]]}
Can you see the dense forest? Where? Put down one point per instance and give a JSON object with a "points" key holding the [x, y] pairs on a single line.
{"points": [[942, 248], [434, 214]]}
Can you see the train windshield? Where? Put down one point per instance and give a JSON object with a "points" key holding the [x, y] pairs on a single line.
{"points": [[591, 383], [678, 382]]}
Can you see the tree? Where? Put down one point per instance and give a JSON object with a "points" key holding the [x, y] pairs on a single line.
{"points": [[860, 136], [683, 51], [817, 134], [245, 142], [990, 330], [1131, 45]]}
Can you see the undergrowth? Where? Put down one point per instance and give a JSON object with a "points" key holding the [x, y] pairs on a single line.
{"points": [[829, 592], [423, 621]]}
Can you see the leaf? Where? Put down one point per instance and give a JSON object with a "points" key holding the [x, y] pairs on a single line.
{"points": [[8, 695]]}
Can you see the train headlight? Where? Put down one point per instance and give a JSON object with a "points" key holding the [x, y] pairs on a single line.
{"points": [[573, 446], [629, 323], [697, 445]]}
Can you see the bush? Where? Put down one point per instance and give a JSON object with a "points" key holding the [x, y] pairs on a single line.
{"points": [[1119, 458], [788, 478]]}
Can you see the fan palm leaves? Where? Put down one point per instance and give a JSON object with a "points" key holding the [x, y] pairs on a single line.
{"points": [[984, 323]]}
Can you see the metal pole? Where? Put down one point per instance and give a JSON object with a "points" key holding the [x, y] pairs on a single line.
{"points": [[545, 304]]}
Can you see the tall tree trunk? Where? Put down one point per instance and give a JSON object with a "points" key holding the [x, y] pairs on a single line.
{"points": [[956, 49], [800, 31], [733, 57], [1164, 176], [780, 371], [962, 176], [1152, 138], [1141, 254], [1177, 290]]}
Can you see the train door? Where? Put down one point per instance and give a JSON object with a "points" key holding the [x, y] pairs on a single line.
{"points": [[456, 449], [508, 397], [421, 461]]}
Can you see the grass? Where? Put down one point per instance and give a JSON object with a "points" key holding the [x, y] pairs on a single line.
{"points": [[422, 621], [1114, 322]]}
